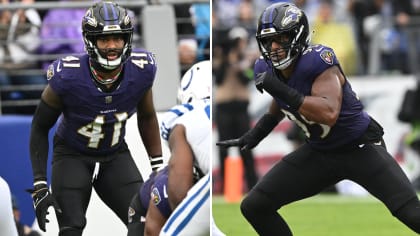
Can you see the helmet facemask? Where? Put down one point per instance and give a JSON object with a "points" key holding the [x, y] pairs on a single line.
{"points": [[287, 26], [103, 19], [100, 56], [289, 49]]}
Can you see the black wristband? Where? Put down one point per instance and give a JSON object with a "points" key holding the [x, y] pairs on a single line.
{"points": [[279, 89]]}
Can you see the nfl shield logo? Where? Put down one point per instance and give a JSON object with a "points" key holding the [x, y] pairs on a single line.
{"points": [[108, 99]]}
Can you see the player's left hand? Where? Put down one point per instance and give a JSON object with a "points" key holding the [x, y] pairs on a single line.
{"points": [[259, 81], [265, 81], [42, 200]]}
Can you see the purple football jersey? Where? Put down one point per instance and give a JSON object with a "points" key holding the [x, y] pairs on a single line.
{"points": [[155, 188], [93, 121], [352, 120]]}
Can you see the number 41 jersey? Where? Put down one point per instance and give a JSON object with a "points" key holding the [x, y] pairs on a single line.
{"points": [[93, 121]]}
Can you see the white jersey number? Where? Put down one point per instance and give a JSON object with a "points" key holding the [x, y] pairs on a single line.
{"points": [[304, 125], [93, 130]]}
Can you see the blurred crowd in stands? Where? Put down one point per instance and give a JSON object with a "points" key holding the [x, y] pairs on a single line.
{"points": [[368, 36], [31, 38]]}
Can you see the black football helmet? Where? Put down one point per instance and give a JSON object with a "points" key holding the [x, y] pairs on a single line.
{"points": [[106, 18], [286, 24]]}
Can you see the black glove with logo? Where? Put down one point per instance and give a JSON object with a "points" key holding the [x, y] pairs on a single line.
{"points": [[277, 88], [42, 200], [254, 136]]}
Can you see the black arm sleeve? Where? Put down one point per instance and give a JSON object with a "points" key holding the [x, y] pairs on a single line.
{"points": [[277, 88], [44, 118], [263, 127]]}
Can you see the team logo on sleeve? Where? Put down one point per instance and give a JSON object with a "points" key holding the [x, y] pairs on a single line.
{"points": [[155, 196], [50, 72], [131, 213], [327, 56]]}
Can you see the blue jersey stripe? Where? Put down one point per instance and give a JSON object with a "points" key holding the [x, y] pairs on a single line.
{"points": [[192, 213], [177, 213]]}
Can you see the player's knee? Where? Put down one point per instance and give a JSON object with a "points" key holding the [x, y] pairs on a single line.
{"points": [[246, 206], [136, 217], [70, 231], [409, 214], [135, 210], [255, 203]]}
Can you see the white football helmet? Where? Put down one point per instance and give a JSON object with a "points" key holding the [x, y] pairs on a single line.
{"points": [[196, 83]]}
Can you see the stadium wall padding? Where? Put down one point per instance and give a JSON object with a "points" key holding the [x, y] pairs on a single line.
{"points": [[16, 165]]}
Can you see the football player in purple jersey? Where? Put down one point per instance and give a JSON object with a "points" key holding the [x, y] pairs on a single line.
{"points": [[309, 87], [92, 96]]}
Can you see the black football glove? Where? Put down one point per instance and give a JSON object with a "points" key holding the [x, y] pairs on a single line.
{"points": [[247, 141], [42, 200], [259, 81], [253, 136], [277, 88]]}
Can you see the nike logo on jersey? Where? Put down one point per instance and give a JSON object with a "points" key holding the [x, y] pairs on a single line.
{"points": [[318, 49], [59, 66], [379, 143], [165, 195]]}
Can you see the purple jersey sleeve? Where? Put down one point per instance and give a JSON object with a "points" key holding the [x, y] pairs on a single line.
{"points": [[155, 189]]}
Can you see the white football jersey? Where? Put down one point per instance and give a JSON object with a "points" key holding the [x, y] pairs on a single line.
{"points": [[195, 117], [7, 222]]}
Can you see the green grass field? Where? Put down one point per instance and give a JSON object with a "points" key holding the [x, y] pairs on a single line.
{"points": [[323, 215]]}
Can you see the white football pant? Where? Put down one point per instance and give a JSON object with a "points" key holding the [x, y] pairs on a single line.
{"points": [[7, 221], [192, 216]]}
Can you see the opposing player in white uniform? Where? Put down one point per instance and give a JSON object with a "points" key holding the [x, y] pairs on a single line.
{"points": [[175, 200], [7, 222], [187, 128]]}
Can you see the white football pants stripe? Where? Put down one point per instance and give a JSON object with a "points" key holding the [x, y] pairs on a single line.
{"points": [[192, 216]]}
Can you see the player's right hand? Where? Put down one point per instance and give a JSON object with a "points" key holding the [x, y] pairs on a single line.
{"points": [[230, 143], [42, 200], [247, 141]]}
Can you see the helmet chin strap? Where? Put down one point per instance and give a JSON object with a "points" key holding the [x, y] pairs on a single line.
{"points": [[99, 67], [284, 63], [107, 64]]}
